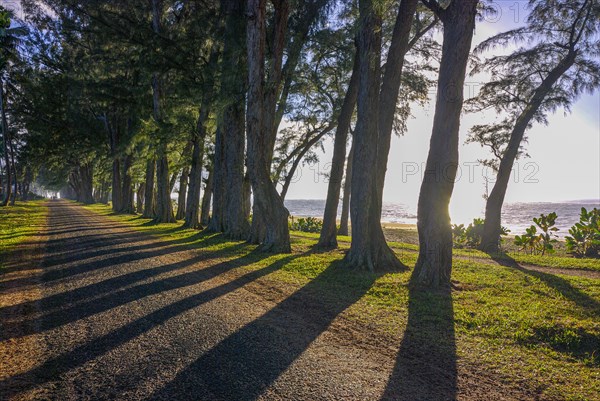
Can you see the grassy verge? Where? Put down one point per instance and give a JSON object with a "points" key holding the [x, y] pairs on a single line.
{"points": [[535, 329], [19, 222], [558, 261]]}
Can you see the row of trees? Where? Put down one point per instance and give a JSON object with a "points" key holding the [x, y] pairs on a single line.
{"points": [[129, 100]]}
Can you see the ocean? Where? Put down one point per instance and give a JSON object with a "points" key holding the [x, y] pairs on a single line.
{"points": [[515, 216]]}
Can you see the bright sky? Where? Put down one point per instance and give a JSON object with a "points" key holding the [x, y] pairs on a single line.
{"points": [[564, 163]]}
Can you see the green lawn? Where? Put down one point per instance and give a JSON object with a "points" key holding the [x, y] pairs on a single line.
{"points": [[535, 328], [19, 222]]}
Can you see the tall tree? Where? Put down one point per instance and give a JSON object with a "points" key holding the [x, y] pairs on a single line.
{"points": [[260, 116], [532, 82], [328, 236], [9, 38], [232, 121], [164, 207], [434, 264], [376, 110]]}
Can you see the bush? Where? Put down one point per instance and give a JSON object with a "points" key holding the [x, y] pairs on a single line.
{"points": [[470, 236], [584, 240], [307, 225], [543, 242]]}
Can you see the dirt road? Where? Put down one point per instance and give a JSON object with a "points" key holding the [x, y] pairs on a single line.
{"points": [[95, 310]]}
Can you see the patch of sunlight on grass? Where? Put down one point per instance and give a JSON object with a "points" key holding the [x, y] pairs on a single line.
{"points": [[20, 221]]}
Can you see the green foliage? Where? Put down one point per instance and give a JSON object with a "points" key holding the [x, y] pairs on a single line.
{"points": [[307, 225], [542, 242], [470, 236], [584, 240]]}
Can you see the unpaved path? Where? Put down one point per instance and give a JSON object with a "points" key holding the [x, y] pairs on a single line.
{"points": [[107, 313]]}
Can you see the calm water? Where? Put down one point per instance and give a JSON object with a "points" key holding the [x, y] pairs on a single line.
{"points": [[515, 216]]}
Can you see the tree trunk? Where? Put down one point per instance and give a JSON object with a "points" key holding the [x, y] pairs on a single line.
{"points": [[5, 141], [149, 205], [208, 190], [127, 191], [434, 264], [116, 185], [490, 240], [172, 181], [193, 197], [346, 199], [260, 118], [183, 183], [369, 250], [299, 156], [164, 206], [15, 174], [86, 176], [198, 140], [328, 236], [388, 97], [217, 219], [139, 206]]}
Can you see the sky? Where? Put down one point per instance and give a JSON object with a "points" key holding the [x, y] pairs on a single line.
{"points": [[564, 163]]}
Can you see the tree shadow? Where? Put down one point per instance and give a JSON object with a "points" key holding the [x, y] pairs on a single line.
{"points": [[425, 366], [52, 369], [79, 262], [244, 364], [73, 305], [583, 300]]}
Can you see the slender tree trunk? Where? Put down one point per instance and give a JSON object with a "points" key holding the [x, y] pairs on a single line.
{"points": [[116, 185], [173, 180], [247, 196], [299, 156], [492, 228], [198, 139], [5, 141], [183, 183], [434, 264], [1, 175], [260, 118], [15, 174], [388, 97], [193, 197], [208, 190], [328, 235], [149, 205], [139, 198], [217, 219], [164, 206], [346, 199], [127, 191]]}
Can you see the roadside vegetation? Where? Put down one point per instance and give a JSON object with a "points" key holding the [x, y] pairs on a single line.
{"points": [[19, 222], [535, 329]]}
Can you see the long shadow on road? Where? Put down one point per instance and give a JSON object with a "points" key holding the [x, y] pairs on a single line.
{"points": [[52, 369], [425, 368], [244, 364], [68, 307]]}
